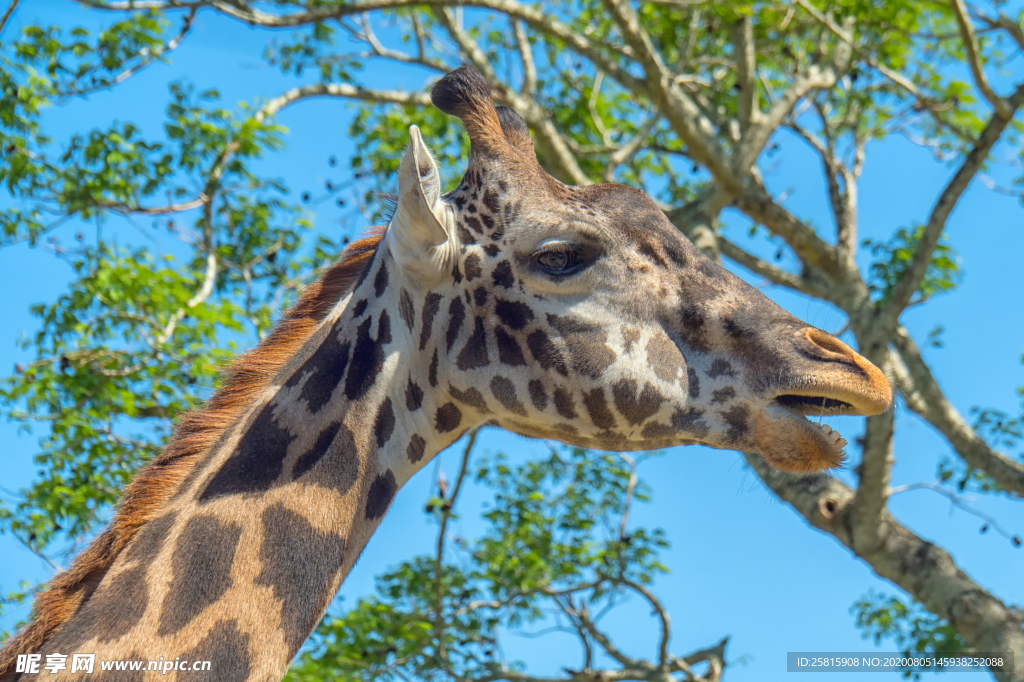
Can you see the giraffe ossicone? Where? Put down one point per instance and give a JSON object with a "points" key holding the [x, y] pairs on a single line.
{"points": [[573, 313]]}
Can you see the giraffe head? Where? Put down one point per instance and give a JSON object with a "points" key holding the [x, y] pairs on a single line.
{"points": [[581, 314]]}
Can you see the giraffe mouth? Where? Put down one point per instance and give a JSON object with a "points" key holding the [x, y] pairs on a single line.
{"points": [[809, 406], [815, 405], [788, 431]]}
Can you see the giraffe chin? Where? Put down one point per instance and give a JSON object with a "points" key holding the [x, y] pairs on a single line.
{"points": [[791, 442]]}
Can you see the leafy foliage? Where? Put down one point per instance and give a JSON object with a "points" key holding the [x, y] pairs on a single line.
{"points": [[139, 337], [893, 257], [912, 628], [553, 542], [105, 361]]}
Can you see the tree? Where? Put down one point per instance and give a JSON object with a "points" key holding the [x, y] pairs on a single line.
{"points": [[687, 100]]}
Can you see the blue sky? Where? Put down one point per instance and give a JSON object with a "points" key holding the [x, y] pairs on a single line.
{"points": [[743, 564]]}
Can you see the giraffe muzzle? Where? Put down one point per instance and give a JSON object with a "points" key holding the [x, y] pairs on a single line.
{"points": [[833, 379]]}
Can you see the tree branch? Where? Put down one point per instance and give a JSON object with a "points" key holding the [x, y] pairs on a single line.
{"points": [[714, 655], [696, 219], [924, 570], [7, 14], [1007, 24], [841, 186], [872, 494], [924, 396], [753, 143], [606, 643], [773, 274], [28, 545], [630, 490], [526, 57], [746, 70], [666, 626], [759, 205], [947, 201], [276, 104], [621, 675], [149, 56], [682, 113], [534, 17], [974, 60], [446, 513], [368, 35], [958, 502], [626, 151]]}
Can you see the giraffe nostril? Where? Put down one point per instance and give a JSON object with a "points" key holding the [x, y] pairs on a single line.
{"points": [[829, 343]]}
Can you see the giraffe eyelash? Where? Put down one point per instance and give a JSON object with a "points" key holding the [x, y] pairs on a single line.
{"points": [[559, 260]]}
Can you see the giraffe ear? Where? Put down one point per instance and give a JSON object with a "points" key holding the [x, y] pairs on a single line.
{"points": [[420, 227]]}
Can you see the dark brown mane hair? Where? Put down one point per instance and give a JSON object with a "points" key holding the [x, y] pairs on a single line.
{"points": [[154, 484]]}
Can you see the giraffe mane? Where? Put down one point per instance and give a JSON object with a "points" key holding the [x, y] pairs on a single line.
{"points": [[197, 431]]}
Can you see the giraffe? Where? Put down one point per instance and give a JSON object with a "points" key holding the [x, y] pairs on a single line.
{"points": [[572, 313]]}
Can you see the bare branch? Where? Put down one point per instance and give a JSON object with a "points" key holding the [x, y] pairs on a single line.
{"points": [[682, 113], [924, 396], [535, 17], [294, 95], [467, 46], [974, 60], [7, 14], [421, 38], [773, 274], [625, 152], [588, 650], [209, 279], [1007, 24], [697, 220], [35, 551], [746, 69], [841, 180], [957, 501], [947, 201], [368, 35], [621, 675], [924, 570], [606, 643], [446, 513], [122, 209], [871, 498], [666, 627], [526, 56], [715, 655], [546, 591], [846, 221], [759, 205], [630, 489], [753, 144]]}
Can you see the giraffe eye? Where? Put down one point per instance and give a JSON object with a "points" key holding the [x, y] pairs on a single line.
{"points": [[558, 262], [560, 259]]}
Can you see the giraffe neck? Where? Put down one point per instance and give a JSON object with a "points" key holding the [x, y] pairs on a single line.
{"points": [[248, 554]]}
